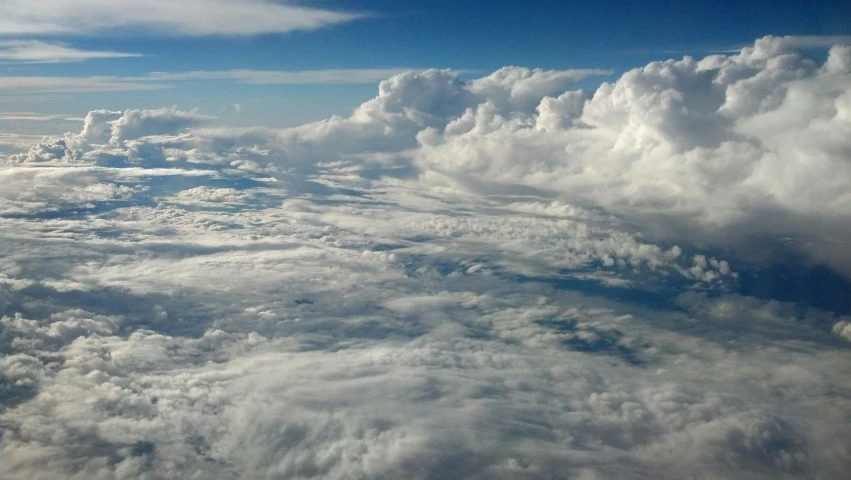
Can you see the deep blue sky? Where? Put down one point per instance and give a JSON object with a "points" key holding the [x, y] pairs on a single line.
{"points": [[479, 36]]}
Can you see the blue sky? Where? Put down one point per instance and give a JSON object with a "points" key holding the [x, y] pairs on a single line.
{"points": [[384, 35]]}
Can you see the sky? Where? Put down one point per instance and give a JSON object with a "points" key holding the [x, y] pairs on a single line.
{"points": [[266, 240]]}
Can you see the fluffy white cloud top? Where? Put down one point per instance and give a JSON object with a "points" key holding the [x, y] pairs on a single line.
{"points": [[722, 151], [496, 278]]}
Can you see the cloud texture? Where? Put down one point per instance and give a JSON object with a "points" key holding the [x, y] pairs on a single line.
{"points": [[496, 278]]}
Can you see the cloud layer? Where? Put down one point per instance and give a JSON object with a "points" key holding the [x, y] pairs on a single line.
{"points": [[496, 278]]}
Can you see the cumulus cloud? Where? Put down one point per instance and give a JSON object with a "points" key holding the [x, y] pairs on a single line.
{"points": [[142, 123], [712, 145], [495, 278]]}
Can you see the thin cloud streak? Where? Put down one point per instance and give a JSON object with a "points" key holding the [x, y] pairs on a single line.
{"points": [[159, 80], [285, 77], [36, 51], [75, 84]]}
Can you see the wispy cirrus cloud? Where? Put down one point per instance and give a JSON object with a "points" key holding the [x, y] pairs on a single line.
{"points": [[161, 80], [37, 51], [186, 18], [11, 85], [282, 77]]}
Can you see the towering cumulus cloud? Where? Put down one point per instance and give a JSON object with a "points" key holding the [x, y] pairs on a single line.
{"points": [[498, 278]]}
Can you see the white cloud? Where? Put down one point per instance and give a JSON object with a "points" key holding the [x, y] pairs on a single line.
{"points": [[187, 18], [712, 144], [141, 123], [499, 278], [843, 329], [36, 51], [790, 43], [521, 89]]}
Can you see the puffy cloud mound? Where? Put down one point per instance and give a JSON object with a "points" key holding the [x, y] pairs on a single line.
{"points": [[729, 150], [142, 123], [495, 278], [713, 146], [98, 126]]}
